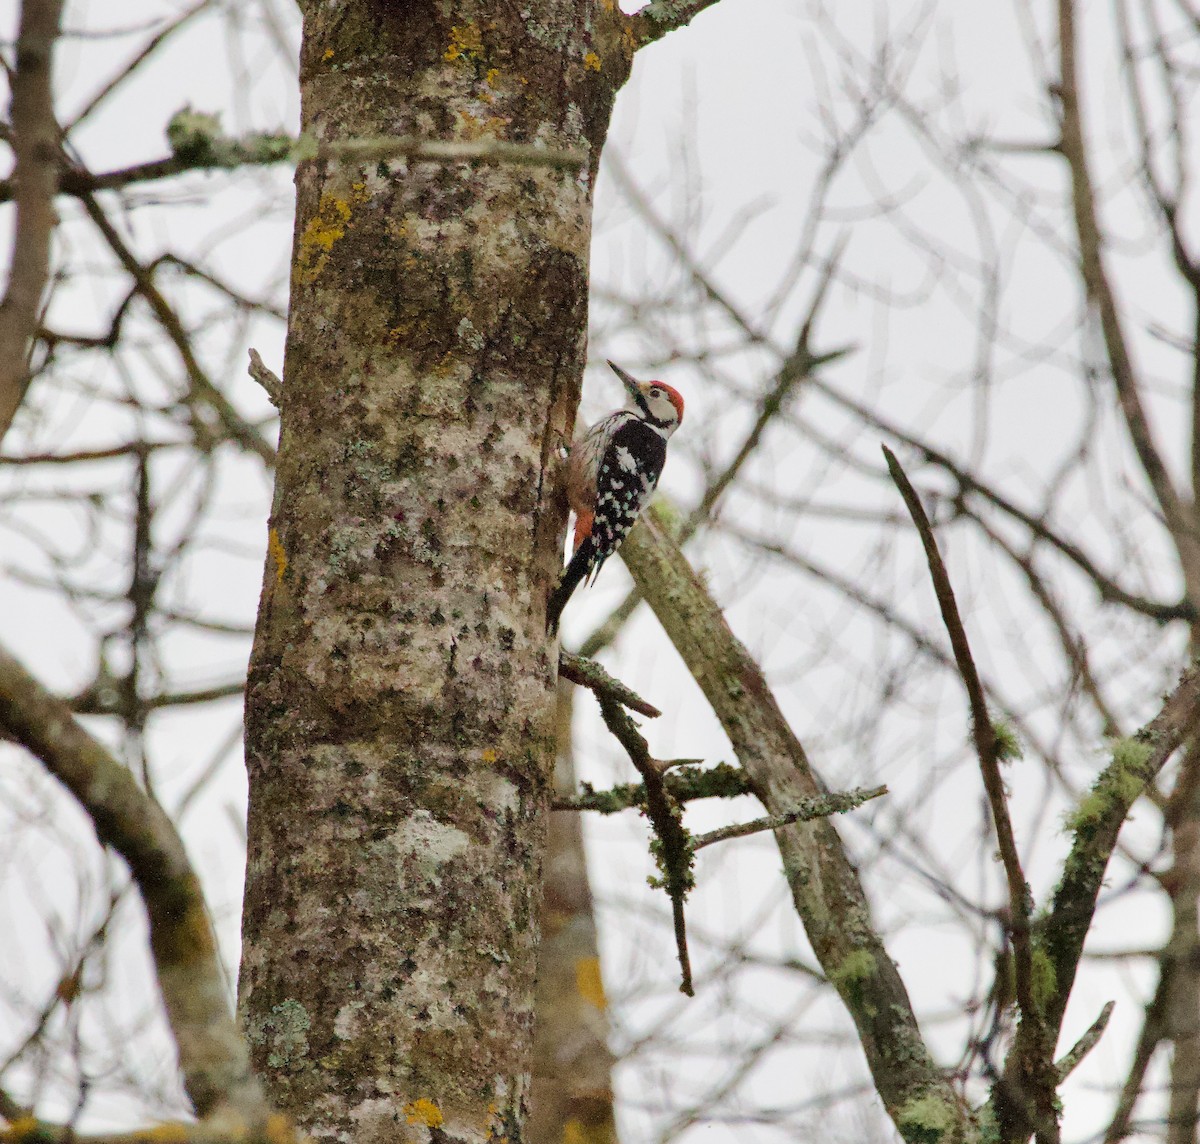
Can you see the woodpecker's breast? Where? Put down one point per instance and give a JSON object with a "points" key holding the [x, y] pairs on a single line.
{"points": [[583, 464]]}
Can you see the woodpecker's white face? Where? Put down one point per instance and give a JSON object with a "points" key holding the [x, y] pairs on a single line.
{"points": [[663, 403], [654, 401]]}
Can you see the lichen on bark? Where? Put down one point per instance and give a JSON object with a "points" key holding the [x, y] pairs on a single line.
{"points": [[400, 708]]}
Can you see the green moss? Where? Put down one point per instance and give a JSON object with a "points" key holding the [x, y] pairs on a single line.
{"points": [[926, 1119], [1118, 786], [196, 138], [1008, 745], [193, 134], [856, 966], [666, 514], [1045, 980]]}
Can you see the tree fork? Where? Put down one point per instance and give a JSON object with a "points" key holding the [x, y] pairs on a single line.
{"points": [[400, 706]]}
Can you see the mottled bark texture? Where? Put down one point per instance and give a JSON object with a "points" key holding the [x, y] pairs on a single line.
{"points": [[400, 710], [572, 1065]]}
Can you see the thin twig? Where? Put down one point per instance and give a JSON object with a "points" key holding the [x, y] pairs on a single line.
{"points": [[823, 807], [1178, 513], [1035, 1064], [674, 845], [719, 781], [201, 388], [1108, 589], [259, 370], [1067, 1064], [653, 21], [587, 673]]}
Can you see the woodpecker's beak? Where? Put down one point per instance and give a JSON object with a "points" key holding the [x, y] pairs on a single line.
{"points": [[632, 386]]}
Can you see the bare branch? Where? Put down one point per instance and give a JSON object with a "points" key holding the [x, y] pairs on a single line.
{"points": [[265, 377], [212, 1054], [825, 886], [655, 20], [1179, 517], [1067, 1064], [1028, 1100], [587, 673], [199, 144], [674, 845], [720, 781], [35, 175], [1154, 1029], [822, 807], [1019, 897]]}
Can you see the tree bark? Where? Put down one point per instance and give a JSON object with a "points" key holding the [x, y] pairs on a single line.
{"points": [[572, 1064], [400, 707]]}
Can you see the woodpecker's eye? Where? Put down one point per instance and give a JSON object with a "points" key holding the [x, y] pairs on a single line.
{"points": [[655, 391]]}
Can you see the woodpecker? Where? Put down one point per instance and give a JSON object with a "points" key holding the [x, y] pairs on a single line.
{"points": [[611, 474]]}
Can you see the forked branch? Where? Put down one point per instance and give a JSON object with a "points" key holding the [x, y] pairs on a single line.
{"points": [[824, 883], [212, 1054], [1027, 1103]]}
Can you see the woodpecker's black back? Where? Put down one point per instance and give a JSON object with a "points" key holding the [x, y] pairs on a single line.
{"points": [[627, 476]]}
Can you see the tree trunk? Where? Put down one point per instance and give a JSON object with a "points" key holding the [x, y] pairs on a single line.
{"points": [[400, 709], [572, 1064]]}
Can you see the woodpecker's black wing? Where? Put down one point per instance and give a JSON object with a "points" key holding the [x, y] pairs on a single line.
{"points": [[628, 474]]}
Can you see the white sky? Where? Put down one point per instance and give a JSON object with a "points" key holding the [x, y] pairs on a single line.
{"points": [[730, 114]]}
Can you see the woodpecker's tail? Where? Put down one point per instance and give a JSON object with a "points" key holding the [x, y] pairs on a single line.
{"points": [[581, 564]]}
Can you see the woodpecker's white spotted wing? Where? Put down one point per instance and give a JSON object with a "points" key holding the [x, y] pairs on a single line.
{"points": [[625, 480]]}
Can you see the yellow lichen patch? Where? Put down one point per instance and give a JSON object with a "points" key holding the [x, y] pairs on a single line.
{"points": [[22, 1126], [279, 1129], [589, 983], [322, 231], [164, 1134], [573, 1133], [398, 334], [328, 54], [277, 555], [490, 78], [472, 127], [465, 44], [424, 1112], [490, 755], [591, 61]]}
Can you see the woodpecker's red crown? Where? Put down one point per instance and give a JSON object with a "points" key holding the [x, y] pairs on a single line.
{"points": [[659, 402], [653, 389]]}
